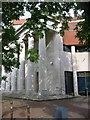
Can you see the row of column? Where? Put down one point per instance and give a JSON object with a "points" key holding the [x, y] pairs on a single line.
{"points": [[10, 82], [32, 78], [25, 76]]}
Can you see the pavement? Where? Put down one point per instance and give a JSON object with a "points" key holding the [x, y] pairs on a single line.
{"points": [[77, 108]]}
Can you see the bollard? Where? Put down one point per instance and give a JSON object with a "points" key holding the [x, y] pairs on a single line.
{"points": [[11, 110], [86, 92], [28, 112], [61, 113]]}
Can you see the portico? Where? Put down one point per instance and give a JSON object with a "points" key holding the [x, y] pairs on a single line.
{"points": [[46, 78]]}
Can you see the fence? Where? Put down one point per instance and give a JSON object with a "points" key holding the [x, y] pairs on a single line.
{"points": [[11, 117], [60, 113]]}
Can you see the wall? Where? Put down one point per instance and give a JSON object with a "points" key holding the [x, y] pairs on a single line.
{"points": [[57, 62], [50, 60], [66, 60], [83, 61]]}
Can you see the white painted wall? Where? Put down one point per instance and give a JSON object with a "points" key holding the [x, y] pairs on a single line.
{"points": [[55, 63], [83, 61], [42, 66], [50, 66], [59, 61], [66, 60]]}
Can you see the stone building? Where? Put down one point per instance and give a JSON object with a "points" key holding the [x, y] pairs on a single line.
{"points": [[63, 67]]}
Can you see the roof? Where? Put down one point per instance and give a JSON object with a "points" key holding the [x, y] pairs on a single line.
{"points": [[19, 22], [69, 38], [69, 35]]}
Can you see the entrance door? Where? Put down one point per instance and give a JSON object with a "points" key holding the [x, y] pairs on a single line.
{"points": [[88, 84], [81, 85], [69, 82], [83, 82]]}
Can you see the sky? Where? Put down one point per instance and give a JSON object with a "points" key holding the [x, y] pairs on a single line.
{"points": [[27, 14]]}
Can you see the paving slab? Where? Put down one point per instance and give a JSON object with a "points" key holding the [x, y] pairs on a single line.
{"points": [[77, 107]]}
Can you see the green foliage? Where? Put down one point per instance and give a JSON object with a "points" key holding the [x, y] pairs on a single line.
{"points": [[40, 12], [9, 48], [11, 11], [33, 55], [83, 27], [2, 78]]}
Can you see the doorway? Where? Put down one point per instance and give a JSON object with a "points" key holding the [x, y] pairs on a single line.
{"points": [[83, 81], [69, 82], [37, 82]]}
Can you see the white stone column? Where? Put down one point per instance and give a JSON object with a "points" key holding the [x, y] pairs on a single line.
{"points": [[1, 107], [21, 70], [22, 53], [30, 69], [75, 83], [56, 85], [13, 80], [3, 85], [62, 65], [21, 77], [42, 65], [8, 82]]}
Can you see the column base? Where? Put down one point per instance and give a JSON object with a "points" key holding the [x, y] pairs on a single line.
{"points": [[30, 92], [47, 93], [75, 94]]}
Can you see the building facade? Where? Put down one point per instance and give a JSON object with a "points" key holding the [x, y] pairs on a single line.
{"points": [[63, 67]]}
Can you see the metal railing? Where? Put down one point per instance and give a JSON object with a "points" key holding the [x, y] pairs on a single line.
{"points": [[11, 117]]}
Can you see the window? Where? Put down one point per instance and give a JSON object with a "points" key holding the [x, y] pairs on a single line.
{"points": [[82, 49], [83, 74], [67, 48], [83, 81]]}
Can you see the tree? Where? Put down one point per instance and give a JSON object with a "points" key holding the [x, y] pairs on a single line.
{"points": [[40, 12], [10, 46], [83, 27], [37, 23]]}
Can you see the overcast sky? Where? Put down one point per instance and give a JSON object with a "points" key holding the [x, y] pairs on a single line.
{"points": [[27, 14]]}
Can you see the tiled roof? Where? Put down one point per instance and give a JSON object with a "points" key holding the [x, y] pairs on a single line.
{"points": [[72, 25], [69, 36], [19, 22]]}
